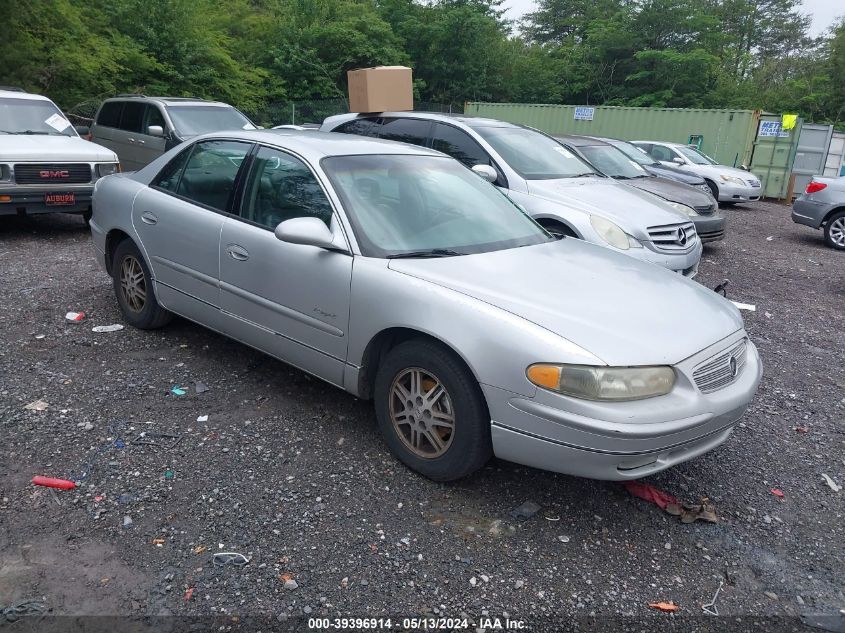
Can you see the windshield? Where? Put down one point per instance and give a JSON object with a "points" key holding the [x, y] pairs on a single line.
{"points": [[611, 162], [33, 116], [634, 153], [532, 155], [405, 204], [200, 119], [694, 156]]}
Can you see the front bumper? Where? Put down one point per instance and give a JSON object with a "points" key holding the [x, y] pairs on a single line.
{"points": [[710, 228], [29, 200], [684, 263], [621, 441], [809, 212], [732, 192]]}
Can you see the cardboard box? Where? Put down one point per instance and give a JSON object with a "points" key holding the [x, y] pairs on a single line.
{"points": [[380, 89]]}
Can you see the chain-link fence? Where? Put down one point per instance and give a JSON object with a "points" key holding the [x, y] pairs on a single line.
{"points": [[278, 113]]}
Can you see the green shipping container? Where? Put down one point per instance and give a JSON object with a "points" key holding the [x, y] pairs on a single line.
{"points": [[726, 135]]}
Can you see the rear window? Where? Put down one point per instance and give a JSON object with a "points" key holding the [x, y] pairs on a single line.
{"points": [[109, 114], [361, 127]]}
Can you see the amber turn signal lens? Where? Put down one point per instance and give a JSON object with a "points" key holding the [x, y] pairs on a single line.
{"points": [[5, 198], [547, 376]]}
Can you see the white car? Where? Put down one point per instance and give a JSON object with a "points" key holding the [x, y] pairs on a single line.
{"points": [[45, 166], [727, 184]]}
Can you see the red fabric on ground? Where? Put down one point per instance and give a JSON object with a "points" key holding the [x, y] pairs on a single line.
{"points": [[650, 494]]}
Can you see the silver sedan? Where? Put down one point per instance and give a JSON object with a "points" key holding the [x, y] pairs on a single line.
{"points": [[392, 272]]}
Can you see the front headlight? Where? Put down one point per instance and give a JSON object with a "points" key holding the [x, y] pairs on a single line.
{"points": [[612, 234], [733, 179], [107, 169], [603, 383], [686, 210]]}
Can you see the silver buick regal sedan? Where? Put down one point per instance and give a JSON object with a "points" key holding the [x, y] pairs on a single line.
{"points": [[394, 273]]}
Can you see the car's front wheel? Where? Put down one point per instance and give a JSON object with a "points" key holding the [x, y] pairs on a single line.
{"points": [[134, 289], [714, 190], [431, 411], [834, 231]]}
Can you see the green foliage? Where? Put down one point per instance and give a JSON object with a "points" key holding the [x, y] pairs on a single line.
{"points": [[254, 53]]}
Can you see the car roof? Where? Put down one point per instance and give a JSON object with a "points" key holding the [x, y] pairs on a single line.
{"points": [[170, 101], [666, 143], [580, 141], [314, 145], [469, 121], [16, 93]]}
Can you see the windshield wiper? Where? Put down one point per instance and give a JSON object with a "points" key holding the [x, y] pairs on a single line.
{"points": [[434, 252], [31, 132], [586, 173]]}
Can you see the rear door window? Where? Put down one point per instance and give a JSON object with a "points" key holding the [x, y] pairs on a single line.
{"points": [[133, 116], [413, 131], [109, 114], [361, 127], [211, 171]]}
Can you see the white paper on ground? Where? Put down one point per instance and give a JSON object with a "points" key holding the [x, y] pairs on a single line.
{"points": [[107, 328], [745, 306]]}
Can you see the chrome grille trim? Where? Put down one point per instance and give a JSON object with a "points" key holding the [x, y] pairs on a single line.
{"points": [[665, 238], [716, 373]]}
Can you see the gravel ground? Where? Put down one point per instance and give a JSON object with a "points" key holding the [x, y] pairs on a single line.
{"points": [[293, 474]]}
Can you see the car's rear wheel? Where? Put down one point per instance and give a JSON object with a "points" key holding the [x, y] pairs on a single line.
{"points": [[431, 411], [834, 231], [134, 289]]}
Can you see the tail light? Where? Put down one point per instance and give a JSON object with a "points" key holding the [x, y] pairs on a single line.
{"points": [[814, 186]]}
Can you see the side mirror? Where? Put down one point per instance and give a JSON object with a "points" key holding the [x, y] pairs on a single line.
{"points": [[485, 171], [306, 231], [678, 161], [82, 130], [155, 130]]}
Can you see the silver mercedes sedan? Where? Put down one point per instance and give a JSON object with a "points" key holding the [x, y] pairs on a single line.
{"points": [[392, 272]]}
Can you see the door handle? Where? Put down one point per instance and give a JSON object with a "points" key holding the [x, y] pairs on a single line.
{"points": [[238, 253], [131, 140], [141, 141], [148, 218]]}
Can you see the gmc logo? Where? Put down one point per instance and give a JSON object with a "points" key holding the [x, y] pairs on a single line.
{"points": [[59, 173]]}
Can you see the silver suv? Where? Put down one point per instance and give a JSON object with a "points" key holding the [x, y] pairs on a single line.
{"points": [[141, 128], [557, 188], [44, 165]]}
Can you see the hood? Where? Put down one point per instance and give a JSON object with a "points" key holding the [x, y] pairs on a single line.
{"points": [[53, 149], [674, 173], [630, 208], [623, 311], [674, 191], [716, 170]]}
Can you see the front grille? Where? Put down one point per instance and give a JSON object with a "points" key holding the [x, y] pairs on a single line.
{"points": [[52, 173], [722, 370], [753, 182], [673, 237]]}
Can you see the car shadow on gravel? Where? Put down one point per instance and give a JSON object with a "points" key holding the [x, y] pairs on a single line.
{"points": [[44, 224]]}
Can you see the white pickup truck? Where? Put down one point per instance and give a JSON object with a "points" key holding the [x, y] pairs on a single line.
{"points": [[45, 166]]}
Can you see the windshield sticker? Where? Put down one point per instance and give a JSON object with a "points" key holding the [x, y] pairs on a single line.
{"points": [[57, 122], [564, 151]]}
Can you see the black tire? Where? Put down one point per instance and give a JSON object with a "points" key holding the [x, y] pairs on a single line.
{"points": [[557, 229], [469, 446], [714, 190], [86, 216], [835, 224], [146, 314]]}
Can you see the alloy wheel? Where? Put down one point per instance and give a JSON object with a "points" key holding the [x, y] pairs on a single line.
{"points": [[837, 232], [132, 283], [421, 412]]}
